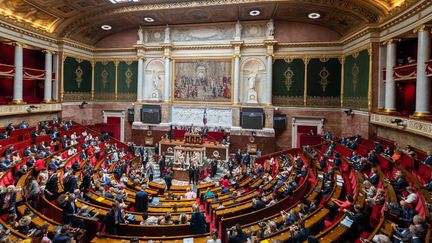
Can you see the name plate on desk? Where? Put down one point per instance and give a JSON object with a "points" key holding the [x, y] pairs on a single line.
{"points": [[187, 115]]}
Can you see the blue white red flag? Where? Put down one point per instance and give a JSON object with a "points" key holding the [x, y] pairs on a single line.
{"points": [[205, 120]]}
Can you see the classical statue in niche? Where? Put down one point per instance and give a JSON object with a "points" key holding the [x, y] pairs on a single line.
{"points": [[251, 81], [238, 29], [167, 34], [140, 36], [252, 96], [156, 81], [270, 29]]}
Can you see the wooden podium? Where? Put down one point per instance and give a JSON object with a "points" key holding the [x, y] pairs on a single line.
{"points": [[193, 138]]}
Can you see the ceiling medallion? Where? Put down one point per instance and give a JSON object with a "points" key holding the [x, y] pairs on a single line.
{"points": [[254, 12], [314, 15]]}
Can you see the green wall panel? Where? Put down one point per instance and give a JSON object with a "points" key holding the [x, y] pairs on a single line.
{"points": [[288, 82], [356, 80], [77, 77], [324, 82], [127, 80], [104, 83]]}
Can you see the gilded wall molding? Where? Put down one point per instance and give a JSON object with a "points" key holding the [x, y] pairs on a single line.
{"points": [[410, 125], [7, 110]]}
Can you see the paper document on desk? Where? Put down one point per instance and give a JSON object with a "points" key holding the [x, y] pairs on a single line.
{"points": [[347, 222], [188, 240]]}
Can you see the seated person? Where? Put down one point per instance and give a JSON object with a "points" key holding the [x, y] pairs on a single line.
{"points": [[428, 159]]}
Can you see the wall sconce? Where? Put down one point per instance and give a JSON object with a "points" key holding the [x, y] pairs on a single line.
{"points": [[399, 122], [82, 105], [31, 108], [349, 112]]}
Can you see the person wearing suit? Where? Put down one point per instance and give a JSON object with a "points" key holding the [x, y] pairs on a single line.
{"points": [[374, 177], [428, 159], [214, 164], [197, 222], [161, 165], [112, 220], [168, 180], [239, 156], [70, 183], [406, 212], [258, 204], [141, 200], [301, 234], [8, 200], [51, 187], [69, 210]]}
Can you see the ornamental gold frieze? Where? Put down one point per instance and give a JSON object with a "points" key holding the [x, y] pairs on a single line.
{"points": [[76, 96], [288, 100], [104, 96], [355, 102], [323, 101], [6, 110], [419, 127], [126, 96]]}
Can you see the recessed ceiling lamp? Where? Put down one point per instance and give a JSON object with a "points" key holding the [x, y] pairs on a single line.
{"points": [[254, 12], [314, 15], [106, 27], [149, 19]]}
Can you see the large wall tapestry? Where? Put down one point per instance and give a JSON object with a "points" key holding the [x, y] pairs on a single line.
{"points": [[324, 82], [288, 82], [127, 76], [356, 80], [104, 81], [206, 80], [77, 79]]}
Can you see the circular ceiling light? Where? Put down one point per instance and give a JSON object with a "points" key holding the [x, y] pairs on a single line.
{"points": [[314, 15], [254, 12], [149, 19], [106, 27]]}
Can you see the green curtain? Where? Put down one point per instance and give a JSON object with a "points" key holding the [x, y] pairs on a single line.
{"points": [[356, 80], [77, 78], [104, 83], [127, 76], [324, 82], [288, 82]]}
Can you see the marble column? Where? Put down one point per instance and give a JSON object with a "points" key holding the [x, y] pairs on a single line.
{"points": [[269, 80], [381, 86], [140, 85], [167, 79], [236, 79], [56, 68], [48, 77], [18, 77], [390, 90], [423, 86]]}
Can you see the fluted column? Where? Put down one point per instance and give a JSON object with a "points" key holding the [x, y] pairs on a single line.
{"points": [[48, 77], [390, 90], [140, 81], [423, 84], [167, 82], [381, 86], [56, 71], [18, 77], [236, 79], [269, 83]]}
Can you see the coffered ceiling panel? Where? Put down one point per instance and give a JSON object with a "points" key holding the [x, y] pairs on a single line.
{"points": [[80, 20]]}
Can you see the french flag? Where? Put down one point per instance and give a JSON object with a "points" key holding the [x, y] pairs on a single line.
{"points": [[205, 120]]}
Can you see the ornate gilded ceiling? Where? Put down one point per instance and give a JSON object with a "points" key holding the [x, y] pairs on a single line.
{"points": [[80, 20]]}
